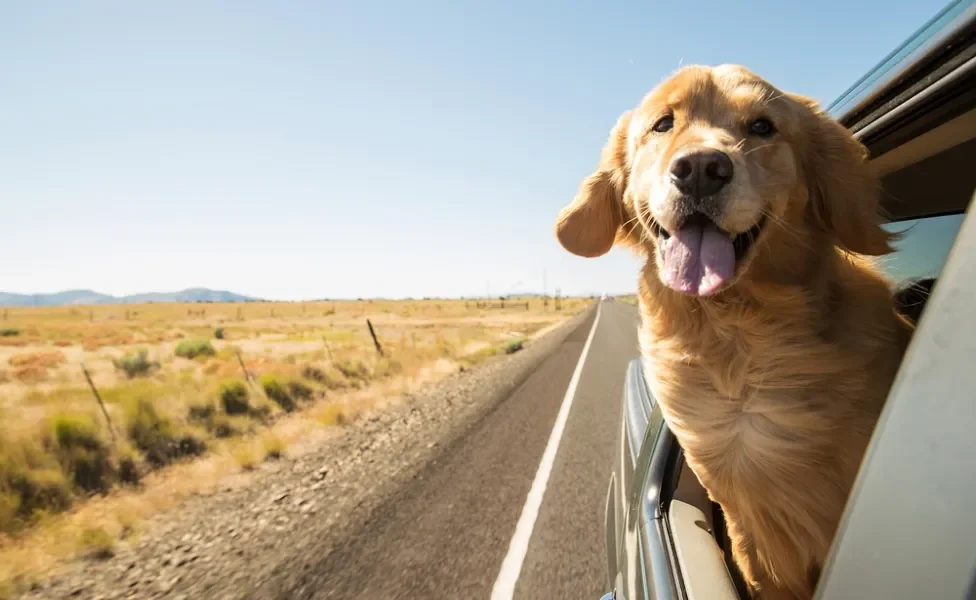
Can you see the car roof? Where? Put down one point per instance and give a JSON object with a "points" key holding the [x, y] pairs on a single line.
{"points": [[916, 113], [909, 57]]}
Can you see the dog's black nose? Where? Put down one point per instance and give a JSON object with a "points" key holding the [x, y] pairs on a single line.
{"points": [[701, 172]]}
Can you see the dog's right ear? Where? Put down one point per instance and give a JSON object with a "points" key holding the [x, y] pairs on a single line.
{"points": [[590, 224]]}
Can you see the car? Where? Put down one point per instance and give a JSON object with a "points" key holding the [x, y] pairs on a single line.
{"points": [[909, 529]]}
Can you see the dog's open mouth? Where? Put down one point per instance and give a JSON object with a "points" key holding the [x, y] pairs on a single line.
{"points": [[699, 258]]}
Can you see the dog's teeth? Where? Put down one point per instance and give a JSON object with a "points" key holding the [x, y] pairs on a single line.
{"points": [[732, 236]]}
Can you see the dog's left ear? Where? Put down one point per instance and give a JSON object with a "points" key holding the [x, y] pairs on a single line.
{"points": [[844, 193]]}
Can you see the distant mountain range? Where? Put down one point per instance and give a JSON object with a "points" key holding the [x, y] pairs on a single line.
{"points": [[76, 297]]}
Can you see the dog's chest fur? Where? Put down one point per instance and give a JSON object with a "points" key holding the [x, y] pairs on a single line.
{"points": [[752, 397]]}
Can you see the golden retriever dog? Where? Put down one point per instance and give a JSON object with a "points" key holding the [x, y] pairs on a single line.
{"points": [[770, 338]]}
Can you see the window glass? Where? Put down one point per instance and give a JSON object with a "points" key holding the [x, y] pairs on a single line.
{"points": [[923, 248]]}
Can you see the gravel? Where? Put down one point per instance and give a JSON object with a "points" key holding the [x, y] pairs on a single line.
{"points": [[230, 543]]}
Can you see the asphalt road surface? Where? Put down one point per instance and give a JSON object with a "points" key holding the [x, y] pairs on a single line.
{"points": [[448, 534]]}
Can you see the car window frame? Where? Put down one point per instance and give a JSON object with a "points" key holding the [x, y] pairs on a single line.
{"points": [[880, 549]]}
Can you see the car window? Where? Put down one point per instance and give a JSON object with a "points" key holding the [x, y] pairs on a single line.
{"points": [[923, 248]]}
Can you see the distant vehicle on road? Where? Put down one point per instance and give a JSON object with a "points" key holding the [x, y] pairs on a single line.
{"points": [[909, 530]]}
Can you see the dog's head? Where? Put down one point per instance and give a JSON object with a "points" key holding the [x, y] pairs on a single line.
{"points": [[717, 174]]}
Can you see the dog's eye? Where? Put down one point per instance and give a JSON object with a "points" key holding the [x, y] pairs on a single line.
{"points": [[762, 128], [664, 124]]}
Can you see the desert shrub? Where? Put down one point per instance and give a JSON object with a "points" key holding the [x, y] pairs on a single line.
{"points": [[97, 543], [353, 370], [234, 397], [189, 443], [314, 373], [9, 332], [129, 467], [277, 392], [31, 481], [156, 436], [274, 447], [223, 427], [260, 411], [151, 433], [246, 456], [201, 412], [193, 348], [219, 333], [330, 379], [82, 452], [135, 364], [513, 345], [299, 390]]}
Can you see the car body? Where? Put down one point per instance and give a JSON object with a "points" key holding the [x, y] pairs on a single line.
{"points": [[909, 530]]}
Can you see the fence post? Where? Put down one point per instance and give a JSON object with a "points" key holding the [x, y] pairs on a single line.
{"points": [[328, 350], [376, 342], [101, 404], [247, 375]]}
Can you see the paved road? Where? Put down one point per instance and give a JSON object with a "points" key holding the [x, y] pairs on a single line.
{"points": [[446, 536]]}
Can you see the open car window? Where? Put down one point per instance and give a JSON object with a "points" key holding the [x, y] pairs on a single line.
{"points": [[923, 248]]}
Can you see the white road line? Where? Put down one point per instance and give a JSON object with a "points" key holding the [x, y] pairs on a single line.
{"points": [[504, 587]]}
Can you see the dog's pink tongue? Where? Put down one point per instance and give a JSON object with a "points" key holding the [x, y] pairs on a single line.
{"points": [[698, 259]]}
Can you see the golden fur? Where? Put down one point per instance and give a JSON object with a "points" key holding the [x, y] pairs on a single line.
{"points": [[774, 383]]}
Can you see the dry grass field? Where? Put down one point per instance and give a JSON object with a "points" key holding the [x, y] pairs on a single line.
{"points": [[193, 392]]}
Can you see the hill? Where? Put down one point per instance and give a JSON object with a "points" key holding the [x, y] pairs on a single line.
{"points": [[78, 297]]}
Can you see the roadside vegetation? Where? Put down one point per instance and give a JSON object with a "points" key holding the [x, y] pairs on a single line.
{"points": [[170, 384]]}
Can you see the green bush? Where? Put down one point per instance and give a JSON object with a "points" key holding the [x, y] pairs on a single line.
{"points": [[129, 471], [82, 453], [514, 345], [277, 392], [194, 348], [152, 434], [136, 365], [97, 543], [157, 438], [31, 482], [9, 332], [234, 397], [299, 391], [219, 333]]}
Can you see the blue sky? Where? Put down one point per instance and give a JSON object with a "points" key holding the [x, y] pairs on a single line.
{"points": [[342, 149]]}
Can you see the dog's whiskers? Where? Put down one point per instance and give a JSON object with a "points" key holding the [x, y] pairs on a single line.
{"points": [[748, 152], [793, 231]]}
